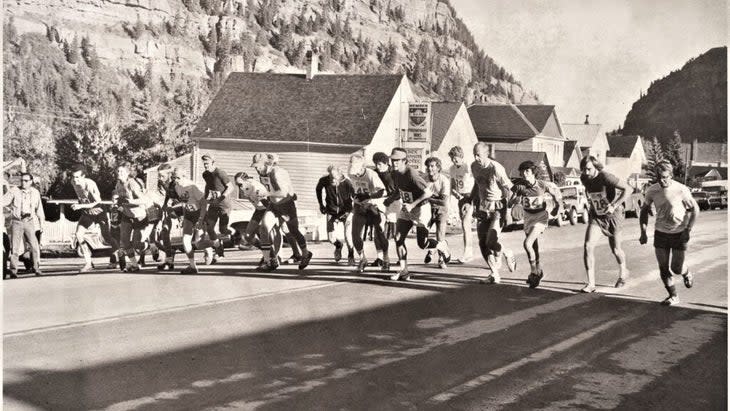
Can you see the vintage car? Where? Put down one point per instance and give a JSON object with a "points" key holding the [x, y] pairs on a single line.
{"points": [[575, 204]]}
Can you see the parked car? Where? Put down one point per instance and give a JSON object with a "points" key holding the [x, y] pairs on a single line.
{"points": [[632, 206], [515, 215], [703, 199], [575, 204]]}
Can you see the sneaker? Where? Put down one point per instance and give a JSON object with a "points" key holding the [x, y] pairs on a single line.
{"points": [[689, 279], [362, 265], [620, 283], [122, 263], [509, 257], [491, 279], [293, 260], [588, 289], [338, 254], [671, 300], [111, 265], [189, 270], [131, 268], [377, 263], [401, 274], [263, 265], [87, 268], [305, 260], [534, 279], [351, 261], [210, 257], [427, 259], [37, 272], [166, 266], [442, 261], [385, 267], [13, 274]]}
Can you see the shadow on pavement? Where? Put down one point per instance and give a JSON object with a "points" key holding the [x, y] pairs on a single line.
{"points": [[393, 357]]}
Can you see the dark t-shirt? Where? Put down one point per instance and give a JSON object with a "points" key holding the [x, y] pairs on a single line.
{"points": [[601, 191], [387, 179], [410, 185], [532, 196], [216, 181]]}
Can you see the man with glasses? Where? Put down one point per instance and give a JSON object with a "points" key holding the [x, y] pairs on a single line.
{"points": [[676, 212], [89, 203], [606, 194], [26, 215]]}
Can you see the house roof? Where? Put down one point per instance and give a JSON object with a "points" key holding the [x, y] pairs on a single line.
{"points": [[568, 149], [567, 171], [695, 171], [337, 109], [511, 160], [500, 121], [585, 134], [621, 146], [537, 114], [444, 114]]}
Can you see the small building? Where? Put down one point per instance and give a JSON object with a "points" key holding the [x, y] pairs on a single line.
{"points": [[705, 161], [591, 138], [566, 176], [626, 159], [572, 154], [511, 159], [451, 127], [519, 128]]}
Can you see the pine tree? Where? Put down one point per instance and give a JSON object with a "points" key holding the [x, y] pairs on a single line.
{"points": [[674, 152], [72, 50], [654, 155]]}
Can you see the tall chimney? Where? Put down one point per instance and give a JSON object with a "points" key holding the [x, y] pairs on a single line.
{"points": [[312, 59], [586, 122]]}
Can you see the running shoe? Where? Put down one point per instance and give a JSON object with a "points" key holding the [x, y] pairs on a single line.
{"points": [[377, 263], [401, 274], [37, 272], [534, 279], [385, 267], [131, 268], [620, 282], [427, 259], [338, 254], [87, 268], [189, 270], [588, 289], [13, 274], [672, 300], [166, 266], [689, 279], [305, 260], [362, 265], [491, 279], [293, 260]]}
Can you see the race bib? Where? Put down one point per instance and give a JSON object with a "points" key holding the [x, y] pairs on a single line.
{"points": [[459, 184], [487, 205], [266, 181], [532, 203], [212, 195], [406, 196], [361, 187], [191, 208], [599, 201]]}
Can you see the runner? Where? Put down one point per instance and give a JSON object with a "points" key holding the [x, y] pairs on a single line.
{"points": [[382, 167], [441, 188], [218, 191], [166, 187], [89, 203], [134, 226], [414, 192], [115, 214], [192, 201], [281, 202], [337, 206], [530, 192], [368, 210], [26, 218], [491, 187], [676, 213], [606, 215], [462, 183], [256, 234]]}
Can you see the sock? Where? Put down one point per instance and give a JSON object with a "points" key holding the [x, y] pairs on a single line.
{"points": [[533, 267]]}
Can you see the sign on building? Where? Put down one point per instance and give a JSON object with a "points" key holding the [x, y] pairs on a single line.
{"points": [[419, 122], [415, 158]]}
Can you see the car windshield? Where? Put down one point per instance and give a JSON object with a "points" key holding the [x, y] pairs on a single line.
{"points": [[699, 195], [570, 192]]}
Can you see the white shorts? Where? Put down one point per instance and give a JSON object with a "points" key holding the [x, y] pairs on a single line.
{"points": [[392, 211], [537, 220], [420, 216]]}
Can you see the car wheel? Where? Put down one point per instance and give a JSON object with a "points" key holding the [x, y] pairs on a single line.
{"points": [[573, 216], [583, 218]]}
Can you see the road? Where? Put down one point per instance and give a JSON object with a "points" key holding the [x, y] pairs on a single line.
{"points": [[233, 338]]}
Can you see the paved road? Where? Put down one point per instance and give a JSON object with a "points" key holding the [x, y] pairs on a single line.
{"points": [[232, 338]]}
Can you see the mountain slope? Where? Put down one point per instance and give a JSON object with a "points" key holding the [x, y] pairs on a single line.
{"points": [[692, 100]]}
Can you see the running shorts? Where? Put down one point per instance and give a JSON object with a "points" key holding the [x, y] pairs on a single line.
{"points": [[669, 241]]}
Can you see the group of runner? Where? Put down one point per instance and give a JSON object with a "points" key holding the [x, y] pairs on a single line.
{"points": [[391, 200]]}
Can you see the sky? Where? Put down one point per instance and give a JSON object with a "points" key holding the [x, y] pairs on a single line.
{"points": [[593, 56]]}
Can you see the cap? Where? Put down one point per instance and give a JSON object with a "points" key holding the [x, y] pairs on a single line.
{"points": [[258, 158], [397, 154]]}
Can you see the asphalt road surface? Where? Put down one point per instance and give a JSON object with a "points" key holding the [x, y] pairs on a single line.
{"points": [[233, 338]]}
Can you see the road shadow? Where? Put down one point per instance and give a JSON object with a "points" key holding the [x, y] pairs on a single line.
{"points": [[391, 357]]}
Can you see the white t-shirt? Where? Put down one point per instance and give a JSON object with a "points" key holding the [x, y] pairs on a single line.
{"points": [[671, 205], [369, 182], [462, 178]]}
